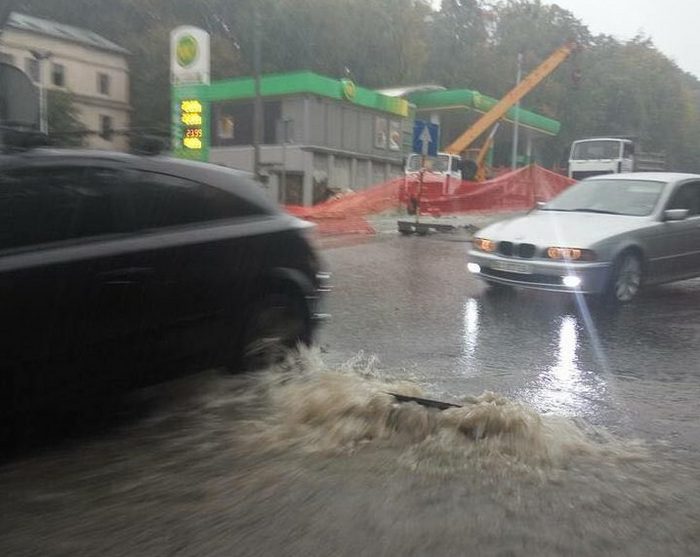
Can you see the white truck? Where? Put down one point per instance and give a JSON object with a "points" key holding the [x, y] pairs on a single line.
{"points": [[443, 171], [610, 155]]}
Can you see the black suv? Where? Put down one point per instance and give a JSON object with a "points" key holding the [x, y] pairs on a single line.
{"points": [[118, 270]]}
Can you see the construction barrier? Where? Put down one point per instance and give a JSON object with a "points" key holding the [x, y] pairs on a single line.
{"points": [[513, 191]]}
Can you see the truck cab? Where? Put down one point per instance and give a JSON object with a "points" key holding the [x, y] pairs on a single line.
{"points": [[600, 155], [443, 171]]}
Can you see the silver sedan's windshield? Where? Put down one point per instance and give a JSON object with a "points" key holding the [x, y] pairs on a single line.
{"points": [[617, 197]]}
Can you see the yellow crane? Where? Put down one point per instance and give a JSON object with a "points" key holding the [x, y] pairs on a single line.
{"points": [[490, 118]]}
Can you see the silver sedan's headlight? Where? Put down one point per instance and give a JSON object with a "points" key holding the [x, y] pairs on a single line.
{"points": [[484, 244], [571, 254]]}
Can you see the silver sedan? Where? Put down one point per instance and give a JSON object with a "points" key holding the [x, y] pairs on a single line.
{"points": [[607, 235]]}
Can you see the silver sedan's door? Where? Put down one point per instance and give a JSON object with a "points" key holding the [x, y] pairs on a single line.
{"points": [[681, 239]]}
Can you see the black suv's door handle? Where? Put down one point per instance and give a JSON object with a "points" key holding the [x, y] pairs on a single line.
{"points": [[125, 275]]}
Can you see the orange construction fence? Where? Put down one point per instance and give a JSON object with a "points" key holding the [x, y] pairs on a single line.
{"points": [[512, 191]]}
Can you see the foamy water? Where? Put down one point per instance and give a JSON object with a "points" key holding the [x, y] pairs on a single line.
{"points": [[310, 407], [311, 460]]}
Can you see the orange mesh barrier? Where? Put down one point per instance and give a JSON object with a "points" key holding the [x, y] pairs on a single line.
{"points": [[511, 191]]}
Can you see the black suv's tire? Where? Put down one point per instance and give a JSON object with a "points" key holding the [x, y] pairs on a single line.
{"points": [[277, 323], [626, 278]]}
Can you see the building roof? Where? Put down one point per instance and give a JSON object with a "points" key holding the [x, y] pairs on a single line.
{"points": [[473, 100], [423, 97], [409, 89], [295, 83], [23, 22]]}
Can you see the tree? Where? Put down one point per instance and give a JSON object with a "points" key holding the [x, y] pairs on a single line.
{"points": [[65, 127], [627, 87], [458, 44]]}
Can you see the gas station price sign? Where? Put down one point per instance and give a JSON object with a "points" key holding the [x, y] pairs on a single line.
{"points": [[191, 111]]}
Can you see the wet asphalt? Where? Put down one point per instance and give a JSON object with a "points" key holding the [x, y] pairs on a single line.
{"points": [[166, 472], [410, 302]]}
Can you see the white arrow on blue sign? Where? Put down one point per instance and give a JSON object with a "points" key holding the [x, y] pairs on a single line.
{"points": [[425, 138]]}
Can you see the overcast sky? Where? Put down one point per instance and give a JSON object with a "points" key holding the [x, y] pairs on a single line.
{"points": [[674, 25]]}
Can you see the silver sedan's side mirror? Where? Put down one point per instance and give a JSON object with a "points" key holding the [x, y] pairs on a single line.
{"points": [[675, 214]]}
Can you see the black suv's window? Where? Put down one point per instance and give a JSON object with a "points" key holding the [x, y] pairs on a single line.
{"points": [[161, 200], [41, 205]]}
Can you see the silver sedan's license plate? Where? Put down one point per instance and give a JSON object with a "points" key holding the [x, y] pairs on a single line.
{"points": [[512, 267]]}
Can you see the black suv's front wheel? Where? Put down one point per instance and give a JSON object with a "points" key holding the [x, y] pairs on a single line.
{"points": [[276, 325]]}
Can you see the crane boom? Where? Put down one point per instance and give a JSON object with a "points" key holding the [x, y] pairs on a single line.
{"points": [[514, 95]]}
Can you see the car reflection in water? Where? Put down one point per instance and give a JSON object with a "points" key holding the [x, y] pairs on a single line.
{"points": [[546, 351], [565, 388], [471, 327]]}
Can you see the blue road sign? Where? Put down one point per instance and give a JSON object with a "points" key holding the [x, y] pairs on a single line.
{"points": [[425, 138]]}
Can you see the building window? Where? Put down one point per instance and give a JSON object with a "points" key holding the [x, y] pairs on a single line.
{"points": [[380, 133], [233, 123], [103, 83], [106, 128], [272, 114], [395, 139], [225, 127], [31, 66], [58, 75]]}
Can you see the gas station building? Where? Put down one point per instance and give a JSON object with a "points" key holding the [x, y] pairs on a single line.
{"points": [[321, 134]]}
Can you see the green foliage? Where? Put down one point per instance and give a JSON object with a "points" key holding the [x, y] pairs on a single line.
{"points": [[65, 127], [626, 87]]}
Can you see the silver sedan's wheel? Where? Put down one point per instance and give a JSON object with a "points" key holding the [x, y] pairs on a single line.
{"points": [[627, 278]]}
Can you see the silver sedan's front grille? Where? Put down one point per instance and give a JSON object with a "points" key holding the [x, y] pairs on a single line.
{"points": [[509, 249], [526, 251]]}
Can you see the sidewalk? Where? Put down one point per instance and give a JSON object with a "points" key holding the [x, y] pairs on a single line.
{"points": [[465, 224]]}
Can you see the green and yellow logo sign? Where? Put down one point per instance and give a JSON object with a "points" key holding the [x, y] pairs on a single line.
{"points": [[186, 51], [349, 89]]}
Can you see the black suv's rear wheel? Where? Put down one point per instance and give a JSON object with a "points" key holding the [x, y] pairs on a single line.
{"points": [[276, 325]]}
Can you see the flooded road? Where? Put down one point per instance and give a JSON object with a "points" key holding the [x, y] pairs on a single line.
{"points": [[634, 370], [589, 445]]}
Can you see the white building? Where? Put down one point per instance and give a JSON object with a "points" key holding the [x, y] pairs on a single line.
{"points": [[93, 69]]}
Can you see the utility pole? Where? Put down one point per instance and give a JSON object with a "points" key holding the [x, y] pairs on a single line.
{"points": [[257, 104], [516, 119], [285, 138], [40, 56]]}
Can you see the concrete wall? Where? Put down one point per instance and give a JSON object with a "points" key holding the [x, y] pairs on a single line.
{"points": [[332, 146], [343, 126], [294, 109], [82, 65], [320, 170]]}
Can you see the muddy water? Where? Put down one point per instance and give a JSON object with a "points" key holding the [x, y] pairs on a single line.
{"points": [[336, 411], [316, 461]]}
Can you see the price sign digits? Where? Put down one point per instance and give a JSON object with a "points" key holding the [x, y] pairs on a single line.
{"points": [[191, 116]]}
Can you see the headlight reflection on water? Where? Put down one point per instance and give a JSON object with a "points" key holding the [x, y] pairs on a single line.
{"points": [[564, 387], [471, 326]]}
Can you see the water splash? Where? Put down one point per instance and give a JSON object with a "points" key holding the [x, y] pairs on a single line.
{"points": [[338, 411]]}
